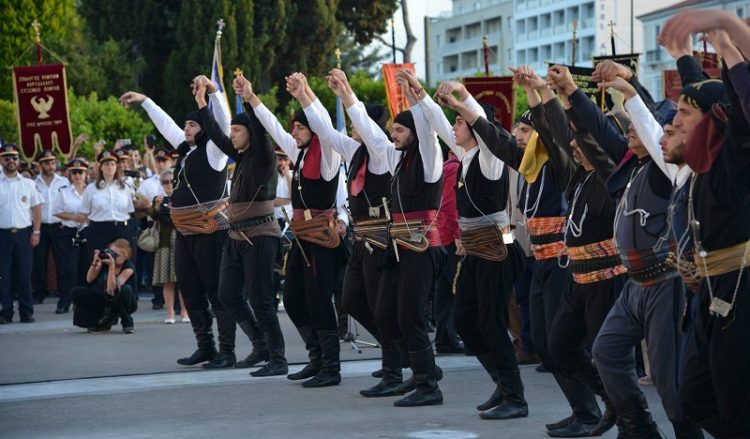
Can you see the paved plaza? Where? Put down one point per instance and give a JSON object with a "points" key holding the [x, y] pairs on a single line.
{"points": [[57, 381]]}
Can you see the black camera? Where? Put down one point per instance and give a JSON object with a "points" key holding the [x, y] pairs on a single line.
{"points": [[78, 240], [105, 253], [151, 140]]}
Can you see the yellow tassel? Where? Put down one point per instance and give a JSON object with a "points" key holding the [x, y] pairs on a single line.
{"points": [[458, 273]]}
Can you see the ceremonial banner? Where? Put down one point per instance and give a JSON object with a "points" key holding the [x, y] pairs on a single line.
{"points": [[396, 100], [582, 78], [629, 60], [496, 91], [41, 99], [672, 83]]}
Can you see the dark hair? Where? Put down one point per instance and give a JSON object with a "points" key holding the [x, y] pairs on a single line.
{"points": [[119, 178]]}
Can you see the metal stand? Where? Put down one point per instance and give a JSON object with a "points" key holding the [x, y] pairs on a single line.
{"points": [[352, 336]]}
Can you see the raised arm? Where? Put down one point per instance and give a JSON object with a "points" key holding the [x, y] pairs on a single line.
{"points": [[166, 126], [244, 88], [218, 138], [216, 157]]}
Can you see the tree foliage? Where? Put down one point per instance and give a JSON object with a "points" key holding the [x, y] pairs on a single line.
{"points": [[366, 19]]}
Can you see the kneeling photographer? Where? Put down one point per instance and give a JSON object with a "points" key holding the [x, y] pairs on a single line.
{"points": [[108, 296]]}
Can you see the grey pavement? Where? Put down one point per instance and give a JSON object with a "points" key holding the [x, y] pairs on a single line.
{"points": [[57, 381]]}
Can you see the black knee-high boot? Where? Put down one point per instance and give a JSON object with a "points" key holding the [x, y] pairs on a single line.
{"points": [[259, 353], [426, 390], [635, 419], [514, 404], [497, 395], [392, 375], [201, 322], [330, 367], [277, 364], [310, 337], [227, 328]]}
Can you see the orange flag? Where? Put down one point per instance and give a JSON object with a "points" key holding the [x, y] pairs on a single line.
{"points": [[396, 100]]}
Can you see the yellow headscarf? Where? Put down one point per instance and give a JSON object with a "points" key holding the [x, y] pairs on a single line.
{"points": [[533, 159]]}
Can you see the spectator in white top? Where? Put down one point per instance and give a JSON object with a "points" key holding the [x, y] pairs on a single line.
{"points": [[108, 203], [21, 208], [283, 199], [73, 233]]}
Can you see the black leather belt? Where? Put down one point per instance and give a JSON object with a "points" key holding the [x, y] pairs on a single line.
{"points": [[651, 272], [546, 239], [114, 223], [250, 222], [16, 229], [596, 264]]}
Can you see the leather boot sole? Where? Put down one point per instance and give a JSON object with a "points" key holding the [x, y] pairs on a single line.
{"points": [[420, 399], [561, 423], [381, 390], [308, 371], [323, 379], [575, 429], [506, 410]]}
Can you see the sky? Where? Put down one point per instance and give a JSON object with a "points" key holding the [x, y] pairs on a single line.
{"points": [[417, 11]]}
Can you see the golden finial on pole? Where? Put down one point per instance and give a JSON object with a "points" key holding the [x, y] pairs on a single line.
{"points": [[611, 28], [36, 25], [237, 72], [338, 58]]}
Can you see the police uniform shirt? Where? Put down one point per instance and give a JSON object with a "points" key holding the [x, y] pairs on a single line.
{"points": [[110, 203], [17, 196], [152, 188], [50, 195], [70, 202], [283, 191]]}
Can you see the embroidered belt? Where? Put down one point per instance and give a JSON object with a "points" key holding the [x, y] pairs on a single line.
{"points": [[543, 232], [320, 229], [595, 262], [487, 242], [200, 219]]}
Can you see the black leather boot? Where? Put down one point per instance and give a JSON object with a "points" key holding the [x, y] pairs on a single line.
{"points": [[583, 402], [107, 320], [561, 423], [609, 417], [514, 404], [426, 390], [201, 323], [391, 377], [377, 374], [312, 344], [259, 353], [636, 420], [687, 430], [497, 395], [277, 364], [330, 368], [227, 328]]}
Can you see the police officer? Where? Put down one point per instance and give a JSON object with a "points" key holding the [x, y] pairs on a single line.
{"points": [[22, 208], [48, 184]]}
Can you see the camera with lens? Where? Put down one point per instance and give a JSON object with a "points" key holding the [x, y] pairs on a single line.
{"points": [[78, 240], [105, 253]]}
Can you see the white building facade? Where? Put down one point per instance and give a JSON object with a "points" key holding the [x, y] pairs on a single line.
{"points": [[655, 58], [453, 41]]}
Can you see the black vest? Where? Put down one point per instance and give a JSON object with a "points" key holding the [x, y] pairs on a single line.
{"points": [[410, 192], [490, 196], [376, 186], [207, 183], [315, 194], [255, 176], [551, 199]]}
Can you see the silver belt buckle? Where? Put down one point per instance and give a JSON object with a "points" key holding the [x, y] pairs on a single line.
{"points": [[508, 238]]}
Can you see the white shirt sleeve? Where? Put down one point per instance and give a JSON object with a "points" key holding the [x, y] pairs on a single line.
{"points": [[376, 141], [322, 110], [649, 131], [437, 120], [429, 148], [216, 158], [328, 135], [35, 198], [86, 203], [342, 200], [491, 166], [277, 132], [166, 126]]}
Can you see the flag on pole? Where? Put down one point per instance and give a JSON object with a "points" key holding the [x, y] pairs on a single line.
{"points": [[217, 71]]}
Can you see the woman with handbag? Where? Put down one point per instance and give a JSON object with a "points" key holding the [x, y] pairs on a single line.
{"points": [[164, 269]]}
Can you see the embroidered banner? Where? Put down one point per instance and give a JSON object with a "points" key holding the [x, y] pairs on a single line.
{"points": [[41, 99], [496, 91], [396, 99]]}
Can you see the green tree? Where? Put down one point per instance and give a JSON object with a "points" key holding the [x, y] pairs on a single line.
{"points": [[522, 101], [365, 19], [8, 122]]}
